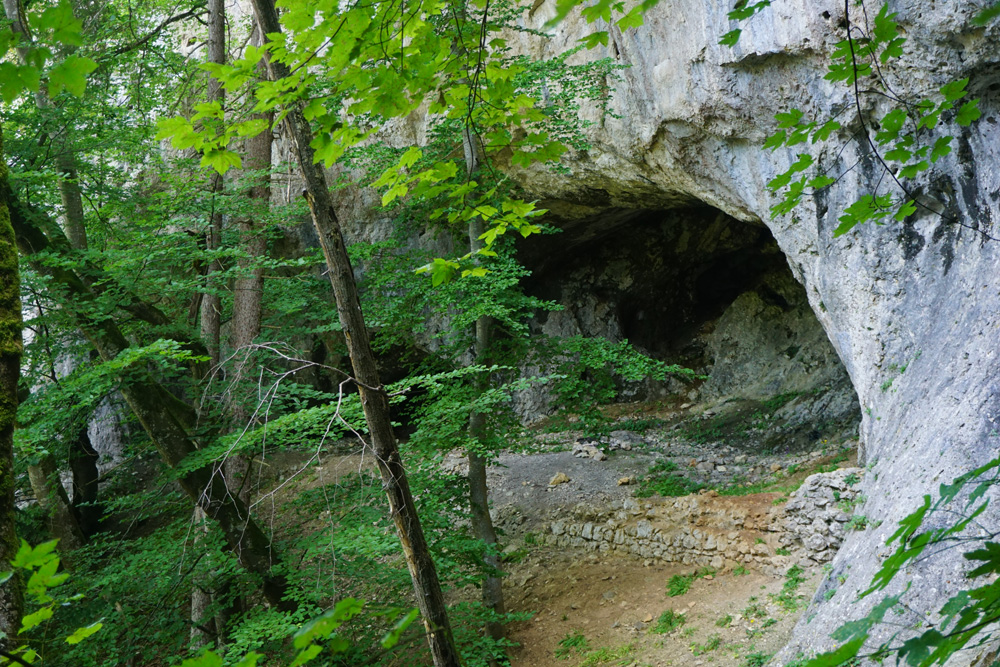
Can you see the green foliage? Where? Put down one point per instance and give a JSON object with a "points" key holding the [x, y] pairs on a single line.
{"points": [[897, 138], [789, 597], [710, 644], [572, 643], [679, 584], [664, 480], [52, 27], [585, 372], [38, 567], [724, 621], [967, 617], [756, 659], [668, 622], [858, 522]]}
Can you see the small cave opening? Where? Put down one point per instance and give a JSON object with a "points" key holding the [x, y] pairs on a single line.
{"points": [[695, 287]]}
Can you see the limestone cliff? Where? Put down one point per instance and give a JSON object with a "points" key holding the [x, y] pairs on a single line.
{"points": [[912, 308]]}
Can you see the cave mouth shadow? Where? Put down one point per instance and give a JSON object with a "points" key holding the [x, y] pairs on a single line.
{"points": [[694, 287]]}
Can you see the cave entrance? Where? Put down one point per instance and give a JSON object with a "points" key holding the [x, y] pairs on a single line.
{"points": [[696, 287]]}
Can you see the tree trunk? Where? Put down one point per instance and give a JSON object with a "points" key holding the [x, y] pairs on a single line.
{"points": [[211, 302], [11, 347], [51, 496], [167, 420], [83, 465], [71, 534], [202, 593], [374, 399], [482, 522]]}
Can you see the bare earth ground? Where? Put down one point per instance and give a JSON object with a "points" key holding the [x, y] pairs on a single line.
{"points": [[614, 602]]}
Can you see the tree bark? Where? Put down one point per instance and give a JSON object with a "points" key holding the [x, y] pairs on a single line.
{"points": [[11, 347], [64, 524], [482, 522], [374, 399], [211, 302], [72, 534], [167, 420], [83, 465]]}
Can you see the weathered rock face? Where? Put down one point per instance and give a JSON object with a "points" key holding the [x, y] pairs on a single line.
{"points": [[912, 308]]}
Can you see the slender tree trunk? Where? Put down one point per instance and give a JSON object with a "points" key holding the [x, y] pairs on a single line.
{"points": [[211, 303], [482, 522], [374, 398], [11, 347], [202, 590]]}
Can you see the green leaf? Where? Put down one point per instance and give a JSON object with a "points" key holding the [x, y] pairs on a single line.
{"points": [[990, 554], [905, 210], [14, 79], [36, 618], [30, 558], [249, 660], [325, 625], [968, 114], [221, 160], [392, 637], [780, 181], [595, 39], [251, 128], [313, 110], [954, 90], [410, 157], [399, 189], [730, 38], [776, 140], [987, 14], [821, 182], [207, 659], [631, 20], [804, 162], [941, 148], [82, 633], [787, 119], [891, 124], [838, 657], [911, 170], [71, 75], [824, 132], [306, 655]]}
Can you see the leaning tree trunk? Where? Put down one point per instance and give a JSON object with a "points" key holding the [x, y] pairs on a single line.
{"points": [[64, 518], [169, 422], [374, 398], [51, 496], [11, 592]]}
